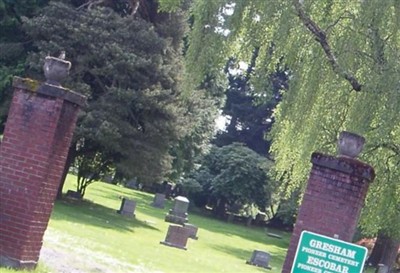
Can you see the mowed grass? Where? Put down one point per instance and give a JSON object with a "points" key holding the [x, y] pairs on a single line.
{"points": [[94, 231]]}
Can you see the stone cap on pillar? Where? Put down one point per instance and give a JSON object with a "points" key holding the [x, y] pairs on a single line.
{"points": [[49, 90], [345, 165]]}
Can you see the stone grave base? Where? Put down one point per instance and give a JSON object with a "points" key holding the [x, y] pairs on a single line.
{"points": [[192, 231], [177, 236], [73, 195], [175, 219]]}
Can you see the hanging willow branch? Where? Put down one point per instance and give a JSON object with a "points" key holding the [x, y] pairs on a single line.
{"points": [[320, 36]]}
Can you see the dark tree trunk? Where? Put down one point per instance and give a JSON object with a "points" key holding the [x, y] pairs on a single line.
{"points": [[219, 208], [390, 253], [118, 177], [384, 251], [68, 163], [377, 251]]}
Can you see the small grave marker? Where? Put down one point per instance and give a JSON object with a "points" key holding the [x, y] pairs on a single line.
{"points": [[274, 235], [127, 207], [260, 258], [159, 200], [73, 195], [192, 230], [177, 236], [382, 268], [178, 214]]}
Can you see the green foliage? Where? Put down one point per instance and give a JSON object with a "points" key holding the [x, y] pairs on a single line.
{"points": [[169, 5], [200, 111], [129, 69], [249, 115], [91, 167], [363, 37], [234, 175], [13, 46]]}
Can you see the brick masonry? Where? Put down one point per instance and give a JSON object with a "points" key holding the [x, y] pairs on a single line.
{"points": [[33, 152], [333, 199]]}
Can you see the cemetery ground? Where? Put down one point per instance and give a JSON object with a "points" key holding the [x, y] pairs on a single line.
{"points": [[89, 236]]}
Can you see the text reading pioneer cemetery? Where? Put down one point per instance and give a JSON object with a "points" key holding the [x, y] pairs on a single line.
{"points": [[320, 254]]}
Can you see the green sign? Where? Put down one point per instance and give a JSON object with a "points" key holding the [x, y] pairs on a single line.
{"points": [[320, 254]]}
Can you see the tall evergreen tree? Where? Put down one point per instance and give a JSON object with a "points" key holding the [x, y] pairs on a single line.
{"points": [[14, 44], [130, 68], [248, 112]]}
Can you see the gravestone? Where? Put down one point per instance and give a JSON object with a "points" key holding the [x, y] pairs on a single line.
{"points": [[177, 236], [159, 200], [168, 190], [382, 268], [73, 195], [192, 230], [178, 214], [127, 207], [132, 184], [249, 220], [260, 218], [108, 179], [260, 258]]}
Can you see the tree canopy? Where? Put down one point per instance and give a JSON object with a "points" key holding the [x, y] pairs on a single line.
{"points": [[14, 45], [343, 58], [130, 68], [232, 175]]}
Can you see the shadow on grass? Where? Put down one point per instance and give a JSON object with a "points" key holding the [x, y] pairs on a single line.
{"points": [[252, 233], [144, 205], [88, 213], [246, 254], [109, 195], [240, 253], [143, 200]]}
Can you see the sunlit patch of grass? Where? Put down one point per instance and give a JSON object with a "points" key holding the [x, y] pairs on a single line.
{"points": [[93, 227]]}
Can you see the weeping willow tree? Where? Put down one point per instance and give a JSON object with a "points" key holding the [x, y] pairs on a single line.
{"points": [[344, 66]]}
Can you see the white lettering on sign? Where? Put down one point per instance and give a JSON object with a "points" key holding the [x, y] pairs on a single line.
{"points": [[309, 268], [348, 253], [343, 260], [313, 251], [328, 265]]}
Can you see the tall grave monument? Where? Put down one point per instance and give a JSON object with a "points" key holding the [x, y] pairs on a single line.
{"points": [[33, 152], [334, 196]]}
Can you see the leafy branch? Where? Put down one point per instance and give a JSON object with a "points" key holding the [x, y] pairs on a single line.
{"points": [[322, 39]]}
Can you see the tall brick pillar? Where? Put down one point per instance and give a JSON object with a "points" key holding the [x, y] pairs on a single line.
{"points": [[33, 152], [333, 199]]}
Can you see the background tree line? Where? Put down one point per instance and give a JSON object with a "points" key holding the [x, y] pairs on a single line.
{"points": [[155, 76], [142, 119]]}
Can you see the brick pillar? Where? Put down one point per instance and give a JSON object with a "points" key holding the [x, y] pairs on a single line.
{"points": [[333, 199], [33, 152]]}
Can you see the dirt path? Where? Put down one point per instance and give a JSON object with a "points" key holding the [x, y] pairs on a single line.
{"points": [[62, 253]]}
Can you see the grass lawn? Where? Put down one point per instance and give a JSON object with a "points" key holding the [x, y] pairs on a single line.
{"points": [[91, 236]]}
